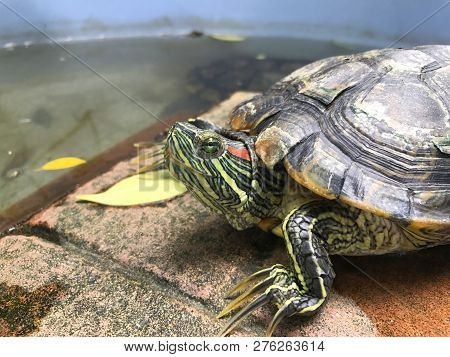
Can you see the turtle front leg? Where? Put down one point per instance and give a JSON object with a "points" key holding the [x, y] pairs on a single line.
{"points": [[300, 290]]}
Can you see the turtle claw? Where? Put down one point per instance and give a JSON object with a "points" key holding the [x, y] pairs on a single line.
{"points": [[259, 301], [248, 280], [283, 312], [241, 299], [279, 287], [275, 278]]}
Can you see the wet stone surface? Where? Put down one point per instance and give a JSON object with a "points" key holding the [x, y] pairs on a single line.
{"points": [[161, 270]]}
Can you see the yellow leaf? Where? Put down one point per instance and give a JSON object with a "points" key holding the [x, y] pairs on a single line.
{"points": [[62, 163], [227, 38], [154, 186]]}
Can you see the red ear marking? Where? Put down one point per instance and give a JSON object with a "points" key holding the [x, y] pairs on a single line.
{"points": [[242, 153]]}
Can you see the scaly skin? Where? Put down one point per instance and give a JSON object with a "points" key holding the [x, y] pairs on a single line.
{"points": [[311, 232], [300, 290], [222, 170]]}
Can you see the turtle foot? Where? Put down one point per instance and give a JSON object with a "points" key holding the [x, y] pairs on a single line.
{"points": [[277, 285]]}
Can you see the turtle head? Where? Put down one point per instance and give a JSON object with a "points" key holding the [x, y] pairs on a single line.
{"points": [[221, 169]]}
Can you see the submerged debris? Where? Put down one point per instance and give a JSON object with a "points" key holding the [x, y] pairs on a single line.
{"points": [[12, 173], [195, 33]]}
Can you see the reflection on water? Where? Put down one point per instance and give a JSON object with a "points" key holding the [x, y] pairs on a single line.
{"points": [[52, 106]]}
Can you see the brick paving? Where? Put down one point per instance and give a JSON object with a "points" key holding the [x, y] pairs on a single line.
{"points": [[81, 269]]}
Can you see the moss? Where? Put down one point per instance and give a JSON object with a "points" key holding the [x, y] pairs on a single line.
{"points": [[21, 311]]}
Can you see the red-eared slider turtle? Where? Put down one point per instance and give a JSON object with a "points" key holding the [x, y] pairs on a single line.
{"points": [[347, 155]]}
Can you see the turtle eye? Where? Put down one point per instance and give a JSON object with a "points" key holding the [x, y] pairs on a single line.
{"points": [[211, 147]]}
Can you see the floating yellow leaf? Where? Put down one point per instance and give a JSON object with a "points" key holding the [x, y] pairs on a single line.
{"points": [[228, 38], [62, 163], [154, 186]]}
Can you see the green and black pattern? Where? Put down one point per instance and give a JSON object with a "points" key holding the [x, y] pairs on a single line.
{"points": [[229, 184], [346, 155]]}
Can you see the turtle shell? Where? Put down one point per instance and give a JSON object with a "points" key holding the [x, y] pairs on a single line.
{"points": [[363, 129]]}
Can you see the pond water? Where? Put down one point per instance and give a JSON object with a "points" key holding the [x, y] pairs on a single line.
{"points": [[55, 105]]}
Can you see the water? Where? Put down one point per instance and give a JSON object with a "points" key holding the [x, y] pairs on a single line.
{"points": [[52, 105]]}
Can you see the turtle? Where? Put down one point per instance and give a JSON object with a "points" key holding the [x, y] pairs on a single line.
{"points": [[347, 155]]}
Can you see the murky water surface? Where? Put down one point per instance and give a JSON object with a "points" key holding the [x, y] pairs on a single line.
{"points": [[54, 105]]}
